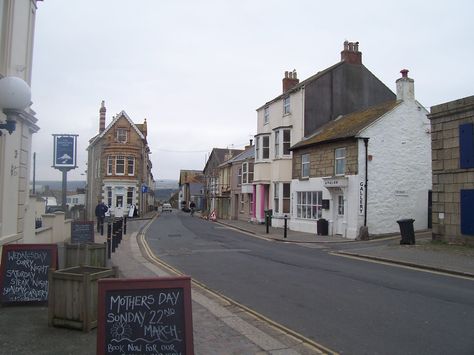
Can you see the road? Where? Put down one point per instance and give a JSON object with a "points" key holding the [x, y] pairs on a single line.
{"points": [[347, 305]]}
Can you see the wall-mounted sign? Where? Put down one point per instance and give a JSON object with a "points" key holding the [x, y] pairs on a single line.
{"points": [[65, 151], [361, 198], [335, 182]]}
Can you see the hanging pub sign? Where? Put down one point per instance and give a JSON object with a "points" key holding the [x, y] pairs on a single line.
{"points": [[65, 151]]}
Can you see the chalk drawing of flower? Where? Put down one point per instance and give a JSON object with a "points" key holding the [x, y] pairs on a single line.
{"points": [[121, 330]]}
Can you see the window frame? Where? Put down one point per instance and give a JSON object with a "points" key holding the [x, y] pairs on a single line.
{"points": [[309, 204], [266, 115], [109, 196], [286, 144], [339, 161], [121, 135], [276, 197], [277, 143], [240, 177], [117, 165], [305, 165], [130, 191], [132, 160], [286, 197], [266, 147], [286, 105], [110, 164]]}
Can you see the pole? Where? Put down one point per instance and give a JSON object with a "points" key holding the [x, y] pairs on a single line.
{"points": [[366, 143], [286, 226], [64, 189]]}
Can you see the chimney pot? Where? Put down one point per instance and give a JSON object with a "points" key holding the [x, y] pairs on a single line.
{"points": [[404, 73], [102, 112], [351, 53], [286, 74], [290, 80]]}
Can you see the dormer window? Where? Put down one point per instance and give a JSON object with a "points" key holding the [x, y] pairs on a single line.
{"points": [[121, 135]]}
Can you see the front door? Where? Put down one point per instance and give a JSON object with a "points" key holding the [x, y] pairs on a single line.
{"points": [[340, 214]]}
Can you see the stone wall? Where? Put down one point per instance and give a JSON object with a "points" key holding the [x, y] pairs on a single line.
{"points": [[322, 159], [448, 177]]}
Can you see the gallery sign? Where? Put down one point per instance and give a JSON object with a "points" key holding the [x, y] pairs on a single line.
{"points": [[361, 198], [65, 148], [335, 182]]}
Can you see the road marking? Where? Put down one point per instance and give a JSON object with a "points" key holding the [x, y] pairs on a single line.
{"points": [[371, 259], [277, 326]]}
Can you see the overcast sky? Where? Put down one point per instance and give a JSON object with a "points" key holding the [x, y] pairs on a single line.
{"points": [[197, 70]]}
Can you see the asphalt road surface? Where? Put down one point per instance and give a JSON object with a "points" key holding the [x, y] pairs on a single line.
{"points": [[347, 305]]}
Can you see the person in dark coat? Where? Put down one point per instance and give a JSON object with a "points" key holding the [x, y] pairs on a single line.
{"points": [[100, 211]]}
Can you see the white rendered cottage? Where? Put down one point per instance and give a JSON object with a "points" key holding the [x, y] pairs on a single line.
{"points": [[368, 168]]}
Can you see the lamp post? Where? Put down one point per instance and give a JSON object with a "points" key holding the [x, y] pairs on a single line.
{"points": [[15, 96]]}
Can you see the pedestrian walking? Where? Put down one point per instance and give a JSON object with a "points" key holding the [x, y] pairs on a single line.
{"points": [[100, 211], [192, 206]]}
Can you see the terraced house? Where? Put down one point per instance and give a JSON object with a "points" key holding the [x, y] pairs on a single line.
{"points": [[119, 166], [367, 169], [301, 109]]}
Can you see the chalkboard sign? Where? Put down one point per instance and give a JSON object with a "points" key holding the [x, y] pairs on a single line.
{"points": [[24, 272], [82, 232], [145, 316]]}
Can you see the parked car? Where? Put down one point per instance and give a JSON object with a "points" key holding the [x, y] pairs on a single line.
{"points": [[166, 207]]}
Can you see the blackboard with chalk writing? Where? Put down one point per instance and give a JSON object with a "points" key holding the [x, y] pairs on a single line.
{"points": [[24, 272], [82, 232], [145, 316]]}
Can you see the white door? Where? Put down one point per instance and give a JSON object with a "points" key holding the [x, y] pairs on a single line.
{"points": [[340, 214]]}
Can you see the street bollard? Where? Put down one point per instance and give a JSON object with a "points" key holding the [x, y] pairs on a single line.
{"points": [[114, 236], [125, 225], [267, 222], [286, 226], [109, 240]]}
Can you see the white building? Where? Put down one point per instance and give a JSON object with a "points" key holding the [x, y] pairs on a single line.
{"points": [[17, 24], [301, 109], [368, 168]]}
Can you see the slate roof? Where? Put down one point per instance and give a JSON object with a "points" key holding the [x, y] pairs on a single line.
{"points": [[249, 153], [304, 82], [218, 154], [347, 126], [111, 124]]}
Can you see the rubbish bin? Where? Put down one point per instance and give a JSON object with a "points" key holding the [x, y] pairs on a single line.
{"points": [[406, 230], [323, 226]]}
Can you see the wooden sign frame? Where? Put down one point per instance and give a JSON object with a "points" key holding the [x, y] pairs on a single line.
{"points": [[91, 227], [159, 283], [52, 248]]}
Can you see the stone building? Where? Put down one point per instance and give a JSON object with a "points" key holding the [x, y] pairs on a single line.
{"points": [[452, 132], [119, 167], [367, 169]]}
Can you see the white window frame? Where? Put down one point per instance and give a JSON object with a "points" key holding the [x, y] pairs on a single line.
{"points": [[130, 166], [240, 176], [286, 105], [257, 148], [286, 143], [277, 143], [117, 159], [266, 115], [110, 164], [276, 197], [305, 165], [109, 196], [309, 204], [243, 169], [265, 147], [339, 161], [121, 135]]}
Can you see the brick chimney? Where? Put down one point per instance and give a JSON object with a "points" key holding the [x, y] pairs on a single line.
{"points": [[145, 128], [351, 53], [102, 117], [290, 80], [405, 86]]}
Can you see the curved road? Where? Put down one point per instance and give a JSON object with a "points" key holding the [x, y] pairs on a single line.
{"points": [[347, 305]]}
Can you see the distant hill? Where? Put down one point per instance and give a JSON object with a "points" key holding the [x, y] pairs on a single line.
{"points": [[166, 184], [72, 185]]}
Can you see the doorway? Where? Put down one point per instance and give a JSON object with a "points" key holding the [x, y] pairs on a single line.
{"points": [[340, 214]]}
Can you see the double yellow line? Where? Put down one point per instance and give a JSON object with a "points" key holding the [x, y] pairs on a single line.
{"points": [[148, 254]]}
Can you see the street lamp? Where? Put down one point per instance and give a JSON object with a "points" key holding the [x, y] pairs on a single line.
{"points": [[15, 96]]}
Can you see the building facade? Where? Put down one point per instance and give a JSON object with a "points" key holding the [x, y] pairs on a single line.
{"points": [[452, 130], [191, 188], [367, 169], [17, 26], [119, 171], [298, 112]]}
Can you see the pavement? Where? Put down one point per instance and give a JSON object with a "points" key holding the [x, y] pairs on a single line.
{"points": [[221, 326]]}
